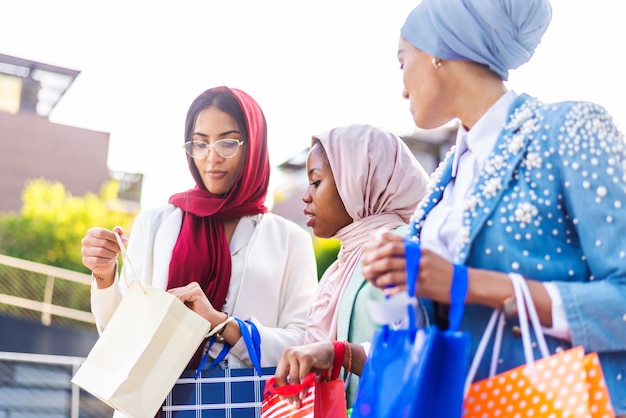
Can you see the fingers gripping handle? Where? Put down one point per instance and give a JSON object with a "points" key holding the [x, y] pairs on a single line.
{"points": [[125, 261], [288, 390]]}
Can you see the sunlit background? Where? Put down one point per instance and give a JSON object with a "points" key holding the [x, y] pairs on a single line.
{"points": [[310, 65], [137, 65]]}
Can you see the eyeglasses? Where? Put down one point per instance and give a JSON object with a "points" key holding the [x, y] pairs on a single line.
{"points": [[226, 148]]}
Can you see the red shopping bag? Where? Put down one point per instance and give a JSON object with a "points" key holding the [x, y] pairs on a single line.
{"points": [[323, 399], [565, 384]]}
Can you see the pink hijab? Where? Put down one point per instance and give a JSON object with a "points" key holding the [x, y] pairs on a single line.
{"points": [[380, 183]]}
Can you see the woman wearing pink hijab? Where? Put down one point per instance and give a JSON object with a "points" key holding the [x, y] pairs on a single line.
{"points": [[362, 179]]}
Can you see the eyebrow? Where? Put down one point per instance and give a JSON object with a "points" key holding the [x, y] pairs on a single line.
{"points": [[233, 131], [313, 169]]}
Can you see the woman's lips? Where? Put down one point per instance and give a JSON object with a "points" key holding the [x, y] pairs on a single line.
{"points": [[311, 220], [215, 173]]}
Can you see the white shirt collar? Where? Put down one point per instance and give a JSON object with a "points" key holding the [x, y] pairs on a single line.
{"points": [[483, 136]]}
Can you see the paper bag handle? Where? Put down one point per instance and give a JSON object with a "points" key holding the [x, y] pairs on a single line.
{"points": [[525, 304], [522, 288], [126, 260]]}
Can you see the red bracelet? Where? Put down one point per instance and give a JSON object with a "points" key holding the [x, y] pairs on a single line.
{"points": [[340, 354]]}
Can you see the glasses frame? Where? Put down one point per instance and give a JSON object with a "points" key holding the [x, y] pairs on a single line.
{"points": [[214, 146]]}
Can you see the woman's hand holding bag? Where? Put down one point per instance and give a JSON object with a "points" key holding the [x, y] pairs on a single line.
{"points": [[143, 349], [324, 396], [428, 364]]}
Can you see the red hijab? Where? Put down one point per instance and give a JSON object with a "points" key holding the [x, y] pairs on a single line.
{"points": [[201, 253]]}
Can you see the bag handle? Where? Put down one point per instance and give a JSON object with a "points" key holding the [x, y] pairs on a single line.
{"points": [[251, 339], [287, 390], [526, 309], [458, 287], [534, 316], [458, 293], [126, 260], [393, 308], [253, 342], [412, 254]]}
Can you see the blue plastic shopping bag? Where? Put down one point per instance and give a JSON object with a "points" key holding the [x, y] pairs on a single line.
{"points": [[417, 372]]}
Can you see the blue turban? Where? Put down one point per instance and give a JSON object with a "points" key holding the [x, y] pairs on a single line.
{"points": [[501, 34]]}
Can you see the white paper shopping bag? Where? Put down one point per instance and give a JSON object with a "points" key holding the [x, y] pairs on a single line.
{"points": [[142, 351]]}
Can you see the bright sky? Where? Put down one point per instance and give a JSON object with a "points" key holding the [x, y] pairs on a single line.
{"points": [[310, 65]]}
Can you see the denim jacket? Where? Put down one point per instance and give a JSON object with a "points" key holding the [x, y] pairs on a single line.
{"points": [[547, 204]]}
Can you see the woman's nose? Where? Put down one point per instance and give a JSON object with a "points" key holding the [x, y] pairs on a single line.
{"points": [[213, 155]]}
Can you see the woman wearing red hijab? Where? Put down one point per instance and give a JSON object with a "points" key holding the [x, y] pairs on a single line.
{"points": [[216, 246]]}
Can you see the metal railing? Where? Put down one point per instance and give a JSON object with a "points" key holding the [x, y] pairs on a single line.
{"points": [[39, 294], [40, 384]]}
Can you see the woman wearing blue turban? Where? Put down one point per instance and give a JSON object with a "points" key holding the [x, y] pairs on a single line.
{"points": [[530, 189]]}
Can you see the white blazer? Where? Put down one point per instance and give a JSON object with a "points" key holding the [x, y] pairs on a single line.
{"points": [[275, 287]]}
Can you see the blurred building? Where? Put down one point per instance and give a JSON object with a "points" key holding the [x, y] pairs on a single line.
{"points": [[33, 147], [428, 146], [38, 358]]}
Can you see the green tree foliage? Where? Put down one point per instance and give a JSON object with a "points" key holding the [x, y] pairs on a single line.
{"points": [[52, 223]]}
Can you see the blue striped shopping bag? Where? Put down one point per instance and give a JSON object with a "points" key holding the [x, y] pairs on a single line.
{"points": [[222, 392]]}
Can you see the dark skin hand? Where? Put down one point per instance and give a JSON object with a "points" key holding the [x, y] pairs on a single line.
{"points": [[297, 362], [384, 266]]}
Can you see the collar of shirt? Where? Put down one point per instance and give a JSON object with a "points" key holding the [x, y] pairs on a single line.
{"points": [[242, 233], [483, 136]]}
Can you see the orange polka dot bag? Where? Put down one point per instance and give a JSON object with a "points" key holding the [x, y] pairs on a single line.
{"points": [[569, 383]]}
